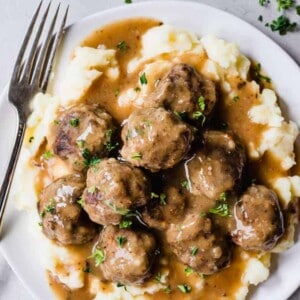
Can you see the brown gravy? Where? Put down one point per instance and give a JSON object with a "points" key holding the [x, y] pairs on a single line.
{"points": [[225, 283]]}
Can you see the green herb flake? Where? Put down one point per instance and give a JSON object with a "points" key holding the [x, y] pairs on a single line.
{"points": [[157, 278], [87, 268], [162, 199], [236, 98], [56, 122], [154, 195], [222, 207], [201, 103], [185, 184], [118, 210], [80, 201], [109, 145], [47, 155], [285, 4], [188, 271], [194, 251], [74, 122], [143, 79], [40, 224], [80, 143], [50, 207], [203, 214], [258, 76], [260, 18], [168, 290], [184, 288], [197, 115], [128, 1], [283, 25], [298, 10], [122, 46], [121, 240], [42, 214], [92, 189], [263, 2], [137, 89], [125, 223], [99, 257], [31, 139], [136, 155]]}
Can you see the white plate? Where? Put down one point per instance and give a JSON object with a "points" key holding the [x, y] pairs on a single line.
{"points": [[17, 245]]}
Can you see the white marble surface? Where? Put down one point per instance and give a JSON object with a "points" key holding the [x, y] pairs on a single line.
{"points": [[15, 16]]}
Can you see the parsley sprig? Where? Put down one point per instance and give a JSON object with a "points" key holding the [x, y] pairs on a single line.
{"points": [[222, 208]]}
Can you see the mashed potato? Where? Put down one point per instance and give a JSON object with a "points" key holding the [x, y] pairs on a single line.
{"points": [[219, 59]]}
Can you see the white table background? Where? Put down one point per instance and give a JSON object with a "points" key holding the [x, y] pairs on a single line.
{"points": [[14, 18]]}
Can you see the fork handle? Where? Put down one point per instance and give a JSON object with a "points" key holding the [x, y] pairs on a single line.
{"points": [[7, 181]]}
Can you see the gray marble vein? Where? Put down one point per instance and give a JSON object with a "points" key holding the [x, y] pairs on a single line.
{"points": [[14, 18]]}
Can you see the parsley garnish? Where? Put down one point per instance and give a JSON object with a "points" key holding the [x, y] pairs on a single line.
{"points": [[74, 122], [298, 10], [283, 25], [260, 18], [121, 240], [80, 201], [125, 223], [143, 78], [90, 160], [50, 207], [285, 4], [168, 290], [154, 195], [128, 1], [118, 210], [109, 145], [158, 277], [80, 143], [137, 89], [194, 251], [185, 184], [31, 139], [56, 122], [122, 46], [184, 288], [47, 155], [181, 115], [199, 113], [99, 257], [162, 199], [119, 284], [222, 208], [258, 76], [87, 268], [236, 98], [136, 155], [263, 2], [188, 271], [40, 224], [202, 214]]}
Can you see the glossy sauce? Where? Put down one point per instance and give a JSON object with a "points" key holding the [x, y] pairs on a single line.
{"points": [[225, 283]]}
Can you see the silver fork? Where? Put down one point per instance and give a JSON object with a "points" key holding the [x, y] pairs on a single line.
{"points": [[30, 76]]}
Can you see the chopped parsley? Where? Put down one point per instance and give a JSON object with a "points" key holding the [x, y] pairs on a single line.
{"points": [[122, 46], [188, 271], [40, 224], [194, 251], [31, 139], [42, 214], [92, 189], [298, 10], [128, 1], [50, 207], [109, 145], [80, 143], [168, 290], [136, 155], [185, 184], [202, 214], [181, 115], [99, 256], [125, 223], [258, 76], [121, 240], [56, 122], [143, 78], [80, 201], [87, 268], [263, 2], [90, 160], [162, 199], [184, 288], [154, 195], [157, 278], [119, 284], [118, 210], [236, 98], [74, 122], [199, 113], [222, 207], [47, 155], [260, 18], [283, 25], [285, 4], [137, 89]]}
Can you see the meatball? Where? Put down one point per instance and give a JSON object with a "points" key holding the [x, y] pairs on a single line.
{"points": [[82, 132], [63, 219], [218, 166], [129, 255], [184, 90], [114, 189], [155, 139], [197, 244], [258, 219], [164, 209]]}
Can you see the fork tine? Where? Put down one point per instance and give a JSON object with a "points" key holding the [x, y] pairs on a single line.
{"points": [[30, 60], [59, 35], [18, 64], [45, 50]]}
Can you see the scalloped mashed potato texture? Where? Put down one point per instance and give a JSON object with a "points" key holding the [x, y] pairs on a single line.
{"points": [[88, 64]]}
